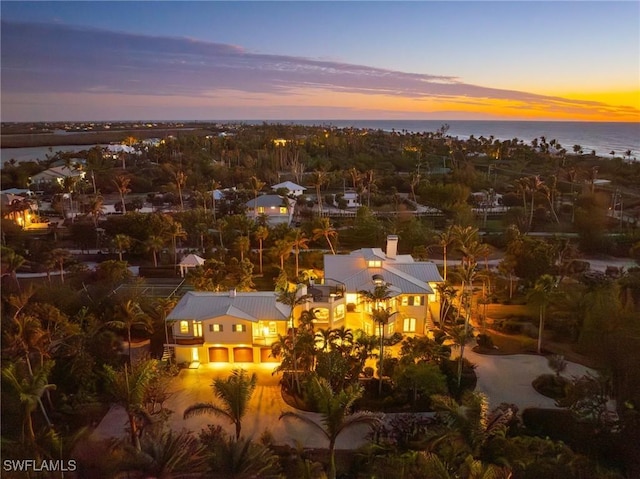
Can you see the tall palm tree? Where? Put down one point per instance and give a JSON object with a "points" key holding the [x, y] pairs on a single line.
{"points": [[122, 184], [154, 244], [95, 209], [335, 413], [380, 314], [130, 315], [129, 388], [59, 256], [234, 393], [29, 388], [319, 178], [243, 245], [121, 242], [256, 185], [175, 231], [445, 239], [261, 233], [542, 293], [283, 248], [299, 241], [325, 230], [12, 262], [181, 180]]}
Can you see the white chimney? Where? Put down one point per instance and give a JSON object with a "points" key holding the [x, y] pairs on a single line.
{"points": [[232, 293], [392, 246]]}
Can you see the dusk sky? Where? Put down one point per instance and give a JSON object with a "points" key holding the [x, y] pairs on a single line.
{"points": [[81, 61]]}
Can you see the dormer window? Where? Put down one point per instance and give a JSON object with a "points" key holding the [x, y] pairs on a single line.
{"points": [[374, 263]]}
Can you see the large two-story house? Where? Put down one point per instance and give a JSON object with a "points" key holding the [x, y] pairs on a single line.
{"points": [[411, 284], [227, 327], [275, 208], [241, 327]]}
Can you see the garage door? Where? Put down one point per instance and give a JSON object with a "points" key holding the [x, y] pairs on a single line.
{"points": [[218, 355], [265, 356], [243, 355]]}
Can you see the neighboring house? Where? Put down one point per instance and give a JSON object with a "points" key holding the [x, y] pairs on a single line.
{"points": [[57, 174], [412, 286], [18, 209], [294, 189], [277, 209], [350, 197], [227, 327]]}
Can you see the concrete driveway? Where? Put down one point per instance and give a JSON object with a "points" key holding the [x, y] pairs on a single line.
{"points": [[502, 378]]}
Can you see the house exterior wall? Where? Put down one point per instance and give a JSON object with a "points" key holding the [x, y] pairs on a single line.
{"points": [[255, 336]]}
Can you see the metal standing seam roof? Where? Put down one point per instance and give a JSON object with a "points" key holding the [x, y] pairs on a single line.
{"points": [[267, 201], [253, 306], [402, 273]]}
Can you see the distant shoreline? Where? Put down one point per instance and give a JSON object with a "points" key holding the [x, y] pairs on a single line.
{"points": [[27, 140]]}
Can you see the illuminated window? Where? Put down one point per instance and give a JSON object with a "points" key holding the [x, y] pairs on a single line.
{"points": [[372, 263], [184, 327], [260, 209], [339, 312], [283, 210], [415, 301], [239, 328], [273, 329], [409, 325], [390, 329], [321, 314], [405, 300], [215, 328], [197, 329]]}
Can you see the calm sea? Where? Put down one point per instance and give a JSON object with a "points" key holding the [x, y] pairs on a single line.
{"points": [[601, 137]]}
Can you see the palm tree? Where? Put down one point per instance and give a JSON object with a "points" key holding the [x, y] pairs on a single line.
{"points": [[121, 242], [181, 180], [325, 230], [155, 245], [130, 315], [95, 209], [542, 293], [464, 237], [176, 231], [256, 185], [129, 388], [335, 413], [283, 248], [12, 262], [122, 184], [299, 241], [380, 314], [29, 388], [234, 392], [261, 233], [59, 256], [243, 245], [445, 239], [319, 178]]}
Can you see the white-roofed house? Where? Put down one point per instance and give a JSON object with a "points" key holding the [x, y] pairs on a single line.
{"points": [[412, 285], [57, 174], [293, 188], [227, 327], [277, 209]]}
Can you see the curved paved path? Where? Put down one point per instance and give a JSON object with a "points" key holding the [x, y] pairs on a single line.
{"points": [[501, 378]]}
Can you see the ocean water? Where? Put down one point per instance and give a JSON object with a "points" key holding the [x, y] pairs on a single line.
{"points": [[601, 137]]}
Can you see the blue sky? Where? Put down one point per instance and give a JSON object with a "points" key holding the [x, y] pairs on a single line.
{"points": [[287, 60]]}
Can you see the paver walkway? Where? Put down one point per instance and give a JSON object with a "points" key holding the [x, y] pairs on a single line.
{"points": [[501, 378]]}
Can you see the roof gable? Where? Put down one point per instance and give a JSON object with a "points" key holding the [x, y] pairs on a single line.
{"points": [[253, 306]]}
